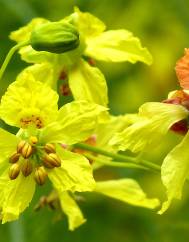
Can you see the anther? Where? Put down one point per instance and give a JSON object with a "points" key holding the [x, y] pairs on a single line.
{"points": [[40, 175], [27, 150], [14, 171], [27, 168], [51, 160], [50, 148], [14, 157], [33, 140], [20, 146]]}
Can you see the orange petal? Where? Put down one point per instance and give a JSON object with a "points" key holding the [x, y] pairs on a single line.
{"points": [[182, 70]]}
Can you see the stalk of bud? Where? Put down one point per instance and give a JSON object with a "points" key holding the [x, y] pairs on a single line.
{"points": [[51, 160], [55, 37], [26, 150], [14, 157], [14, 171], [50, 148], [27, 168], [40, 175]]}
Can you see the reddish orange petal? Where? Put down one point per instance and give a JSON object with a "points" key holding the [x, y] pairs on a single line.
{"points": [[182, 70]]}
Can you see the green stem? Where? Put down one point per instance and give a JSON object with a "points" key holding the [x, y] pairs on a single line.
{"points": [[118, 157], [115, 163], [9, 56]]}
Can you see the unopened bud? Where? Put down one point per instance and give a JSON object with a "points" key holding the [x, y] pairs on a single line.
{"points": [[27, 150], [20, 146], [50, 148], [14, 171], [27, 168], [33, 140], [55, 37], [40, 175], [14, 157], [51, 160]]}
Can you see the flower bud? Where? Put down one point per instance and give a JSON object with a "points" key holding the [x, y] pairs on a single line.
{"points": [[55, 37], [14, 171], [50, 148], [40, 175], [33, 140], [14, 157], [51, 160], [20, 145], [27, 150], [27, 168]]}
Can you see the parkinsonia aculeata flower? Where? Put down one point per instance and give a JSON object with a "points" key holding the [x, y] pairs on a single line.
{"points": [[85, 80], [155, 120], [35, 153]]}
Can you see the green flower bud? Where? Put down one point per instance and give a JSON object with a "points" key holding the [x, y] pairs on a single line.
{"points": [[55, 37], [14, 157], [51, 160], [40, 175], [27, 168], [50, 148], [14, 171]]}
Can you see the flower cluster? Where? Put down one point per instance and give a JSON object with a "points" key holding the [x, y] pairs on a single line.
{"points": [[65, 144], [155, 120]]}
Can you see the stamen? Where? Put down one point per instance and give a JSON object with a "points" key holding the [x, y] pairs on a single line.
{"points": [[14, 171], [27, 168], [50, 148], [33, 140], [51, 160], [14, 157], [27, 150], [40, 175]]}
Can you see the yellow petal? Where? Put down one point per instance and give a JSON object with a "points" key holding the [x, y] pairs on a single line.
{"points": [[128, 191], [72, 210], [117, 45], [23, 33], [174, 172], [29, 102], [18, 194], [88, 83], [75, 173]]}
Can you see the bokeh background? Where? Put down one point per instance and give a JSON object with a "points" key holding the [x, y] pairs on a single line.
{"points": [[163, 28]]}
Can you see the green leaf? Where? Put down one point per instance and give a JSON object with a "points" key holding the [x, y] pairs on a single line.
{"points": [[174, 171], [117, 46], [128, 191], [75, 173], [155, 119], [72, 210], [88, 83]]}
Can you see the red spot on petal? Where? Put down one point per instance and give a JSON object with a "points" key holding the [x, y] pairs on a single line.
{"points": [[63, 75], [65, 90], [180, 127], [179, 98]]}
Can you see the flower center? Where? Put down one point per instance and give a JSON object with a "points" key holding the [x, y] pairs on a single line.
{"points": [[31, 157], [25, 122]]}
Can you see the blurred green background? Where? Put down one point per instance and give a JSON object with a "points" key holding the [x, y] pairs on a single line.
{"points": [[162, 27]]}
